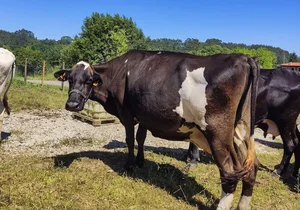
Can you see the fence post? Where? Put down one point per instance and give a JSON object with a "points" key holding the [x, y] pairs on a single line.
{"points": [[62, 82], [43, 72], [25, 71]]}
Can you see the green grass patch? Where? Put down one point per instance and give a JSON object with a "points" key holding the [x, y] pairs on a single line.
{"points": [[96, 180], [75, 141], [28, 96]]}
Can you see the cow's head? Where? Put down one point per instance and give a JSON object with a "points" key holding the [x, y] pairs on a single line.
{"points": [[82, 79]]}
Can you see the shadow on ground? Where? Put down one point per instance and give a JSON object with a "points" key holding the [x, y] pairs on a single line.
{"points": [[274, 144], [177, 153], [164, 176], [4, 135]]}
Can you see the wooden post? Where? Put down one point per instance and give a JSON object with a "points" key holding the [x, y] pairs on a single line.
{"points": [[62, 82], [25, 71], [43, 72]]}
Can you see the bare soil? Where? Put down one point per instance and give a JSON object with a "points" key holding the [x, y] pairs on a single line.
{"points": [[54, 132]]}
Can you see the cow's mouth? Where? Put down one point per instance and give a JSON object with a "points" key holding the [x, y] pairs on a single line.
{"points": [[74, 106]]}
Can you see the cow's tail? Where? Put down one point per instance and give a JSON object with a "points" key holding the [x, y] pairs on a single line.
{"points": [[251, 160], [5, 102]]}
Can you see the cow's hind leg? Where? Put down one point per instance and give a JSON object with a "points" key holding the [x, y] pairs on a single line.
{"points": [[193, 155], [140, 137], [225, 163], [129, 128], [288, 149]]}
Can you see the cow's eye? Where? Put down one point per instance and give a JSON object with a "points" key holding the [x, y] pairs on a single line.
{"points": [[90, 81]]}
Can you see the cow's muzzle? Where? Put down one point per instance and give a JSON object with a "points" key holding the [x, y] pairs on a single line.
{"points": [[77, 104]]}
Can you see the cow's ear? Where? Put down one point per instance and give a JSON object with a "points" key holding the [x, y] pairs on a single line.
{"points": [[97, 81], [62, 75]]}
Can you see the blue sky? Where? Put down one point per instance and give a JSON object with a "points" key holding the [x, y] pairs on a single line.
{"points": [[270, 22]]}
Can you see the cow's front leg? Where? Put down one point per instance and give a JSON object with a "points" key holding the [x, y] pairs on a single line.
{"points": [[129, 127], [140, 137]]}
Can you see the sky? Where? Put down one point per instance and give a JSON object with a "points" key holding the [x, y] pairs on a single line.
{"points": [[268, 22]]}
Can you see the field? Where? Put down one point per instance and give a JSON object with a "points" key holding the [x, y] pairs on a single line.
{"points": [[50, 161]]}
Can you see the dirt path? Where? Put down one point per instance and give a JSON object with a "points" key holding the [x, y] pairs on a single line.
{"points": [[49, 82], [49, 133]]}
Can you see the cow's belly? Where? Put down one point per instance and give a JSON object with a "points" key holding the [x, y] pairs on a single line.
{"points": [[270, 128], [187, 133]]}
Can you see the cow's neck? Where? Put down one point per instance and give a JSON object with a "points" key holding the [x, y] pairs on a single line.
{"points": [[111, 93]]}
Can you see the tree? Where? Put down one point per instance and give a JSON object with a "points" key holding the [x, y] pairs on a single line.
{"points": [[34, 59], [104, 37], [64, 40], [213, 42], [192, 45], [212, 49], [293, 57], [267, 59]]}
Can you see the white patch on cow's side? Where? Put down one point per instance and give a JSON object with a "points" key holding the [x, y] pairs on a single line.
{"points": [[159, 52], [126, 61], [196, 137], [193, 98], [128, 73], [86, 65], [225, 201], [245, 202], [272, 127], [149, 69]]}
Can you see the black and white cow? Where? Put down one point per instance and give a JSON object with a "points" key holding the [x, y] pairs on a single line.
{"points": [[278, 106], [7, 68], [209, 101]]}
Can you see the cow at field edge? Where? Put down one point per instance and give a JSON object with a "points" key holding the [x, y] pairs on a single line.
{"points": [[7, 67], [209, 101], [278, 106]]}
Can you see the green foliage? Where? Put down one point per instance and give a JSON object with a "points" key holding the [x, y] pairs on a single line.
{"points": [[34, 59], [293, 57], [16, 39], [267, 59], [166, 44], [104, 37], [211, 50]]}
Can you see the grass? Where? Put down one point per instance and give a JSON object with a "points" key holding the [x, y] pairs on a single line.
{"points": [[96, 180], [28, 96], [75, 141]]}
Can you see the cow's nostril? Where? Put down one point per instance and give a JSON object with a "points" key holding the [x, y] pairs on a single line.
{"points": [[72, 105]]}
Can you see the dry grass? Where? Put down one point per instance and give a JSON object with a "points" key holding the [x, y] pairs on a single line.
{"points": [[96, 180]]}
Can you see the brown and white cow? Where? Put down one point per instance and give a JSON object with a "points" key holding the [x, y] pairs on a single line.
{"points": [[7, 68], [209, 101]]}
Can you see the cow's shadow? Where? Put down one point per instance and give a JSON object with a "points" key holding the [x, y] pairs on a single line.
{"points": [[271, 144], [177, 153], [182, 186]]}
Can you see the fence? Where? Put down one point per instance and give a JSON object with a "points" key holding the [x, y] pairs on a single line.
{"points": [[25, 69]]}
